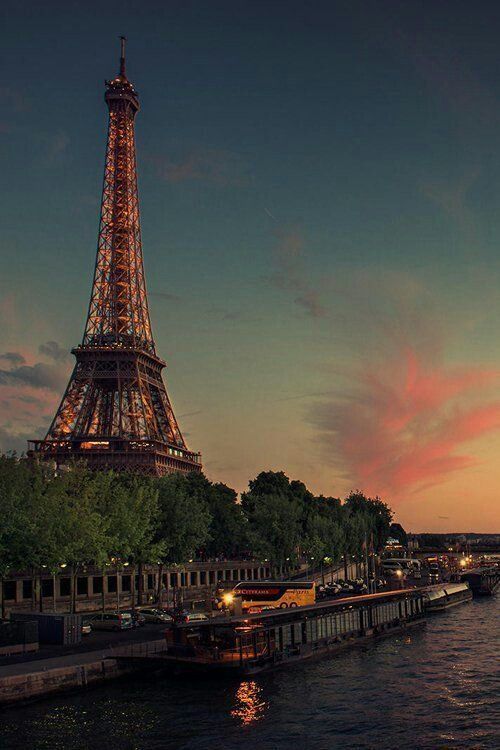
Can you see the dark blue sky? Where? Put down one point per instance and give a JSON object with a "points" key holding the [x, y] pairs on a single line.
{"points": [[319, 187]]}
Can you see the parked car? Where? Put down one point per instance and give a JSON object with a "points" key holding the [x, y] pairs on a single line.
{"points": [[137, 616], [194, 616], [347, 587], [334, 588], [360, 586], [111, 621], [156, 615]]}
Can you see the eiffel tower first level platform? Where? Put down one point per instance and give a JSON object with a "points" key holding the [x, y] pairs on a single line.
{"points": [[116, 413]]}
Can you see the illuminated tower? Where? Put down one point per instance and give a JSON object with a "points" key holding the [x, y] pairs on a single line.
{"points": [[115, 413]]}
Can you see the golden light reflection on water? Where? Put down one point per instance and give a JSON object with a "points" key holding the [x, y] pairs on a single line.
{"points": [[250, 706]]}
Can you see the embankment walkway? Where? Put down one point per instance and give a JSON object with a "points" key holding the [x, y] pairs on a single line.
{"points": [[38, 677]]}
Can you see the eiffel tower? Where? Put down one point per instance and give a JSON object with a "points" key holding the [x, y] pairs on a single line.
{"points": [[115, 413]]}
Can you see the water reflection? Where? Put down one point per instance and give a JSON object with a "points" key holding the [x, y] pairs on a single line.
{"points": [[250, 706]]}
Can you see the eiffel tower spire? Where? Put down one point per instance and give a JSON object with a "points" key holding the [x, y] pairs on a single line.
{"points": [[118, 311], [115, 412]]}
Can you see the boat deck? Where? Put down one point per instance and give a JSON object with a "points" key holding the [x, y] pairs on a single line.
{"points": [[256, 642]]}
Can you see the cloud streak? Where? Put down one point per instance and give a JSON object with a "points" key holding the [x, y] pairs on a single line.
{"points": [[407, 423], [289, 273], [30, 393], [39, 375], [53, 350], [14, 359], [221, 168]]}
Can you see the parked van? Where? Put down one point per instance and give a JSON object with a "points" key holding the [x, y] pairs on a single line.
{"points": [[410, 565], [111, 621], [392, 568]]}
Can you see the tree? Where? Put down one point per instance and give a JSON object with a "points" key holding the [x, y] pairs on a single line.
{"points": [[25, 540], [275, 517], [374, 515], [128, 505], [324, 530], [227, 530], [14, 487], [75, 497], [80, 517], [183, 519], [274, 528]]}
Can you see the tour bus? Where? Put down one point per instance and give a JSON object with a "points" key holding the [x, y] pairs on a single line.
{"points": [[258, 595]]}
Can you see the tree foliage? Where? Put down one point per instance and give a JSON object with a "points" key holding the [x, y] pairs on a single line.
{"points": [[287, 522], [81, 517], [183, 518]]}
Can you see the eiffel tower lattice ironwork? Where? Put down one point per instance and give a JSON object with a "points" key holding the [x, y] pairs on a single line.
{"points": [[115, 413]]}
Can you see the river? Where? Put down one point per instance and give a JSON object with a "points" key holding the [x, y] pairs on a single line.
{"points": [[436, 688]]}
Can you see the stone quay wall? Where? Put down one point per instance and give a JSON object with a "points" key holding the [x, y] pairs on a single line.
{"points": [[194, 581]]}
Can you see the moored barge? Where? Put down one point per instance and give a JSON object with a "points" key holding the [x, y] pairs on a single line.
{"points": [[259, 642], [482, 581], [437, 598]]}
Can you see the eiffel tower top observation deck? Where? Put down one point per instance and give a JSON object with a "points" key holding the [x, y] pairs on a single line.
{"points": [[115, 412]]}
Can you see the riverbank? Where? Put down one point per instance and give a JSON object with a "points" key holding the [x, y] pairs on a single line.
{"points": [[58, 668], [29, 680]]}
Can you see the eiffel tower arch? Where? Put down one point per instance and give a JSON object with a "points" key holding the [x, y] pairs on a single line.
{"points": [[116, 413]]}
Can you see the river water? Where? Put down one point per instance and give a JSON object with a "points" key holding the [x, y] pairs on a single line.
{"points": [[436, 688]]}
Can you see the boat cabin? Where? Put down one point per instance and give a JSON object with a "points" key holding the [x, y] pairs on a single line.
{"points": [[258, 641]]}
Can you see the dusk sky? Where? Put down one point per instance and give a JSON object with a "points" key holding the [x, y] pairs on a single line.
{"points": [[320, 201]]}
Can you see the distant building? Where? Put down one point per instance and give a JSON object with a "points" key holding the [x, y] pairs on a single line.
{"points": [[413, 543]]}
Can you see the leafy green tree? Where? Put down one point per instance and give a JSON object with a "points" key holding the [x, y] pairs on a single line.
{"points": [[13, 518], [324, 529], [274, 528], [74, 497], [374, 515], [183, 517], [227, 531], [24, 539], [274, 513]]}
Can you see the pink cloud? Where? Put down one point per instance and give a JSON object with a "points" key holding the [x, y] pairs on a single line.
{"points": [[408, 422]]}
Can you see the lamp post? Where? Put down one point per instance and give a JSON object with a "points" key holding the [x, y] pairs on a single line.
{"points": [[41, 591], [55, 571], [366, 564], [344, 558]]}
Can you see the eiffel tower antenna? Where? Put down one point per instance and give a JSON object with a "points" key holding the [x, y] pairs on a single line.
{"points": [[123, 39], [115, 413]]}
